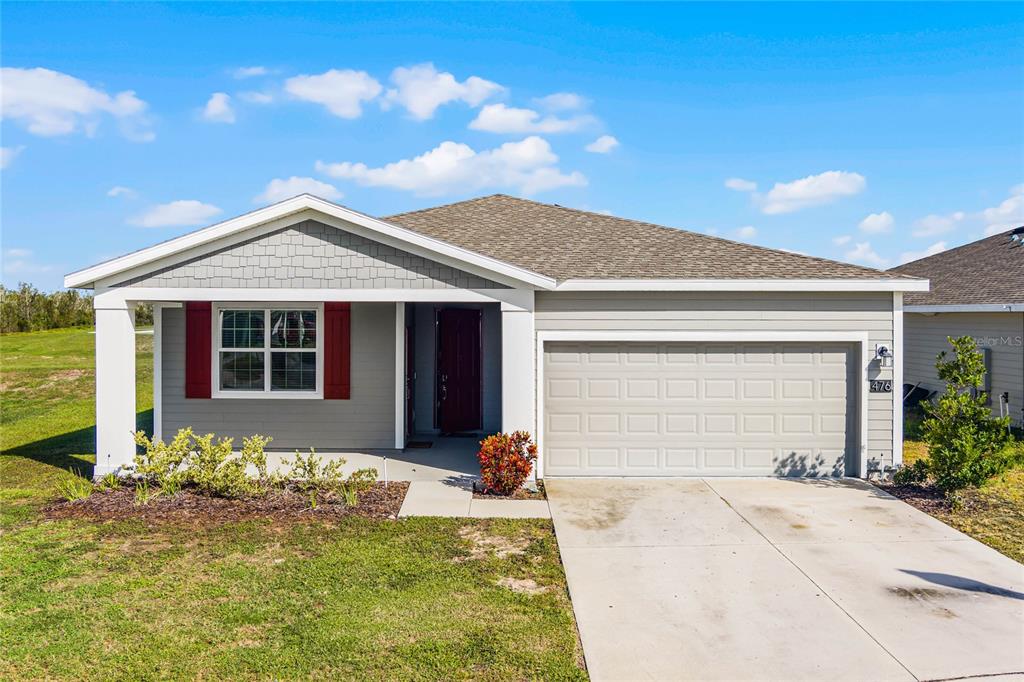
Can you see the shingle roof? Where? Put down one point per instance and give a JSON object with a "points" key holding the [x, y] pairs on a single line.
{"points": [[565, 243], [988, 271]]}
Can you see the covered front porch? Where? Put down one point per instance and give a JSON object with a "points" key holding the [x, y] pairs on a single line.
{"points": [[420, 371]]}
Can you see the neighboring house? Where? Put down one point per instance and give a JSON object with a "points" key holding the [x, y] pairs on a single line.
{"points": [[976, 290], [628, 349]]}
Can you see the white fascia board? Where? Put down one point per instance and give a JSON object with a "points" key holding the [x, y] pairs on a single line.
{"points": [[434, 248], [743, 285], [117, 298], [969, 308]]}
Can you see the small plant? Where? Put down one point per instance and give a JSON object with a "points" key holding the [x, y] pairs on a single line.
{"points": [[915, 473], [110, 481], [309, 472], [356, 484], [144, 493], [506, 461], [964, 440], [74, 487]]}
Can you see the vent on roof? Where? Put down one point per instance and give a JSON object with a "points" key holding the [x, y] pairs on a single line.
{"points": [[1017, 236]]}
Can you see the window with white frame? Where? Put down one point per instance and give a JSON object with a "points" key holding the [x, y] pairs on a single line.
{"points": [[268, 352]]}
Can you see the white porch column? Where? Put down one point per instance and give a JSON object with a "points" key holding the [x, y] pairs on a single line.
{"points": [[518, 373], [399, 375], [115, 385]]}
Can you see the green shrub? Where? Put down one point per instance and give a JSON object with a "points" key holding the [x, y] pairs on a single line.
{"points": [[915, 473], [164, 464], [965, 442], [74, 487], [310, 473], [111, 481], [208, 464]]}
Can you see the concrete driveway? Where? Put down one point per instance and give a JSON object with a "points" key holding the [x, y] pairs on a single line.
{"points": [[745, 579]]}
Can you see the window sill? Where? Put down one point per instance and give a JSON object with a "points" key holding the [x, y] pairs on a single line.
{"points": [[264, 395]]}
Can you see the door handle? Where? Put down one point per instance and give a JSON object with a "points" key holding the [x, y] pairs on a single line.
{"points": [[444, 392]]}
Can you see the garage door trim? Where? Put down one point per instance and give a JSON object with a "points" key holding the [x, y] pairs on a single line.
{"points": [[860, 338]]}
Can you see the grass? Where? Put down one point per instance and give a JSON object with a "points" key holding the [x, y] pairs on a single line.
{"points": [[409, 599], [992, 513]]}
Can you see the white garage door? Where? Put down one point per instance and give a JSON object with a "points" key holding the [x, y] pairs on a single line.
{"points": [[699, 409]]}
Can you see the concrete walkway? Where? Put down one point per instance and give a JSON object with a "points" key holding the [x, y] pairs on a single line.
{"points": [[440, 498], [745, 579]]}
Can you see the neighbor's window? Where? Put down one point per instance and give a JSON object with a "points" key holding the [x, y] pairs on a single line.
{"points": [[268, 350]]}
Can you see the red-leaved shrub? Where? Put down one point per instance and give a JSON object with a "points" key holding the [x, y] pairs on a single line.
{"points": [[506, 461]]}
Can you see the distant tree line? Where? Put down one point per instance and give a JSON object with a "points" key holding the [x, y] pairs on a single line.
{"points": [[26, 309]]}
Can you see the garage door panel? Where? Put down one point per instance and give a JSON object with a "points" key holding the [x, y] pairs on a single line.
{"points": [[698, 409]]}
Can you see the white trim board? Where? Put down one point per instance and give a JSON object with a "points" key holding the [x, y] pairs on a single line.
{"points": [[859, 338], [897, 379], [116, 298], [970, 308], [893, 284], [293, 210]]}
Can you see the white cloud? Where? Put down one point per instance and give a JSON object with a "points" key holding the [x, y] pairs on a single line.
{"points": [[935, 224], [1008, 214], [747, 232], [528, 166], [877, 222], [8, 154], [602, 145], [254, 97], [562, 101], [342, 92], [864, 254], [250, 71], [218, 108], [280, 189], [499, 118], [20, 262], [741, 185], [421, 89], [814, 190], [50, 103], [120, 191], [185, 212], [841, 240], [937, 247]]}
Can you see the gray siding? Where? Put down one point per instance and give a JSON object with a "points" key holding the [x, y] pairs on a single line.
{"points": [[423, 320], [366, 421], [738, 311], [924, 337], [311, 255]]}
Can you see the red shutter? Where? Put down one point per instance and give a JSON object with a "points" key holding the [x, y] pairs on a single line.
{"points": [[198, 359], [337, 351]]}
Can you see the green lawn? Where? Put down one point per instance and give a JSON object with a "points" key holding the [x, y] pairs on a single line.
{"points": [[363, 598], [993, 513]]}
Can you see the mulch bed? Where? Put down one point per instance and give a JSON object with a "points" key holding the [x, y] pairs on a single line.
{"points": [[379, 502], [521, 494], [925, 498]]}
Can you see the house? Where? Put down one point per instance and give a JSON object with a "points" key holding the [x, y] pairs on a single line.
{"points": [[976, 290], [626, 348]]}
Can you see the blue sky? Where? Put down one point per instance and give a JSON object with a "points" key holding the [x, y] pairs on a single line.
{"points": [[866, 133]]}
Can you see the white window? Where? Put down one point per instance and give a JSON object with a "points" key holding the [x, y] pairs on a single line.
{"points": [[263, 352]]}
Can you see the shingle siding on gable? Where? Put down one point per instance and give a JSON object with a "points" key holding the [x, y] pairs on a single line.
{"points": [[311, 255]]}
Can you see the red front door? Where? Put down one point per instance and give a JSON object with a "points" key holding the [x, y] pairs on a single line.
{"points": [[458, 370]]}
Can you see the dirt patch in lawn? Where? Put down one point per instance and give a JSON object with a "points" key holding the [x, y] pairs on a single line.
{"points": [[379, 501], [523, 585], [483, 544]]}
